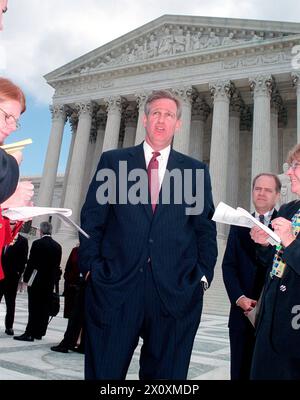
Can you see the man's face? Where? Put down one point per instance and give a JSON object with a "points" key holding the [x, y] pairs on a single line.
{"points": [[3, 7], [264, 194], [10, 111], [161, 123]]}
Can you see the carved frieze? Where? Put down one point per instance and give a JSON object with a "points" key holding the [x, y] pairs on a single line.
{"points": [[251, 61], [63, 89], [172, 40]]}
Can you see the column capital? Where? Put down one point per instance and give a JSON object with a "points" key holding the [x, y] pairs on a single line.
{"points": [[221, 89], [58, 111], [114, 104], [84, 108], [261, 85], [141, 98], [184, 93], [200, 109]]}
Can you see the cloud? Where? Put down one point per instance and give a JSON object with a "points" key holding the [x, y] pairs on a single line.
{"points": [[43, 35]]}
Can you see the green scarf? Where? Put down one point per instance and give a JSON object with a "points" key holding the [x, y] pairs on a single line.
{"points": [[279, 265]]}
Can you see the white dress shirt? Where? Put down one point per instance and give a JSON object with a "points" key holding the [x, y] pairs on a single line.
{"points": [[162, 165], [162, 159]]}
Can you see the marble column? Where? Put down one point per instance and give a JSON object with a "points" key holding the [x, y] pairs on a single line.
{"points": [[140, 130], [73, 120], [77, 166], [181, 139], [221, 92], [235, 108], [276, 105], [131, 115], [101, 123], [52, 157], [200, 112], [88, 164], [112, 130], [296, 84], [261, 86]]}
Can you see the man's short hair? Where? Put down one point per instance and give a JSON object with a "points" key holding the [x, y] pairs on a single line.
{"points": [[46, 228], [276, 179], [163, 94]]}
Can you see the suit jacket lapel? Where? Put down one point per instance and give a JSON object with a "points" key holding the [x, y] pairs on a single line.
{"points": [[137, 160], [175, 161]]}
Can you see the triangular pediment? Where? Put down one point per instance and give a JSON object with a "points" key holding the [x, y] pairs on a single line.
{"points": [[171, 36]]}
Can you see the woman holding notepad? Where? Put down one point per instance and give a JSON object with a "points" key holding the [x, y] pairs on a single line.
{"points": [[12, 192], [277, 348]]}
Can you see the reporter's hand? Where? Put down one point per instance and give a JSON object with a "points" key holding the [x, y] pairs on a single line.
{"points": [[246, 303], [283, 228], [259, 236], [22, 196]]}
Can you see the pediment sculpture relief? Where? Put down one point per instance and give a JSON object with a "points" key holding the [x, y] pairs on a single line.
{"points": [[168, 43]]}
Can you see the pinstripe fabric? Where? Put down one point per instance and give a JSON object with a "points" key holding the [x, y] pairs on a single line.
{"points": [[182, 249], [167, 341]]}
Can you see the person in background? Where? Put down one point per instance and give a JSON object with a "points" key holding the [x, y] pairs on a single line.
{"points": [[74, 289], [14, 258], [244, 275], [44, 258], [277, 346], [12, 192]]}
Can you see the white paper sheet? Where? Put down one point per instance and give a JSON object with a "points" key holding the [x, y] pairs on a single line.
{"points": [[240, 217], [26, 213]]}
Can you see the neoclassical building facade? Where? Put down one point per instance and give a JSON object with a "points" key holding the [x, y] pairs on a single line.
{"points": [[238, 82]]}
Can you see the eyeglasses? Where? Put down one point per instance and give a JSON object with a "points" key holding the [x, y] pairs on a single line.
{"points": [[294, 165], [10, 120]]}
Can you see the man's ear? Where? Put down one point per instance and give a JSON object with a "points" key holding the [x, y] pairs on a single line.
{"points": [[145, 120], [178, 125]]}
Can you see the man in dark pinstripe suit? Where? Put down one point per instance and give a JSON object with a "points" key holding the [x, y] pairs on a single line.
{"points": [[147, 263]]}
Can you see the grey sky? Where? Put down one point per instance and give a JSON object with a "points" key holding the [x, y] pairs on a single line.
{"points": [[40, 36]]}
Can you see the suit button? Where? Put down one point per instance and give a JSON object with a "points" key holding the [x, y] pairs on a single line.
{"points": [[151, 241], [141, 270]]}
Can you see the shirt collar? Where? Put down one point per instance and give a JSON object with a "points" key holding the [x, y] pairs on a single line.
{"points": [[267, 215], [164, 153]]}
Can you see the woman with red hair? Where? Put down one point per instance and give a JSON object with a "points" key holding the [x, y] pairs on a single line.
{"points": [[12, 193]]}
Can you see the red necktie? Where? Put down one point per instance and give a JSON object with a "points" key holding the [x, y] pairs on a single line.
{"points": [[153, 179]]}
